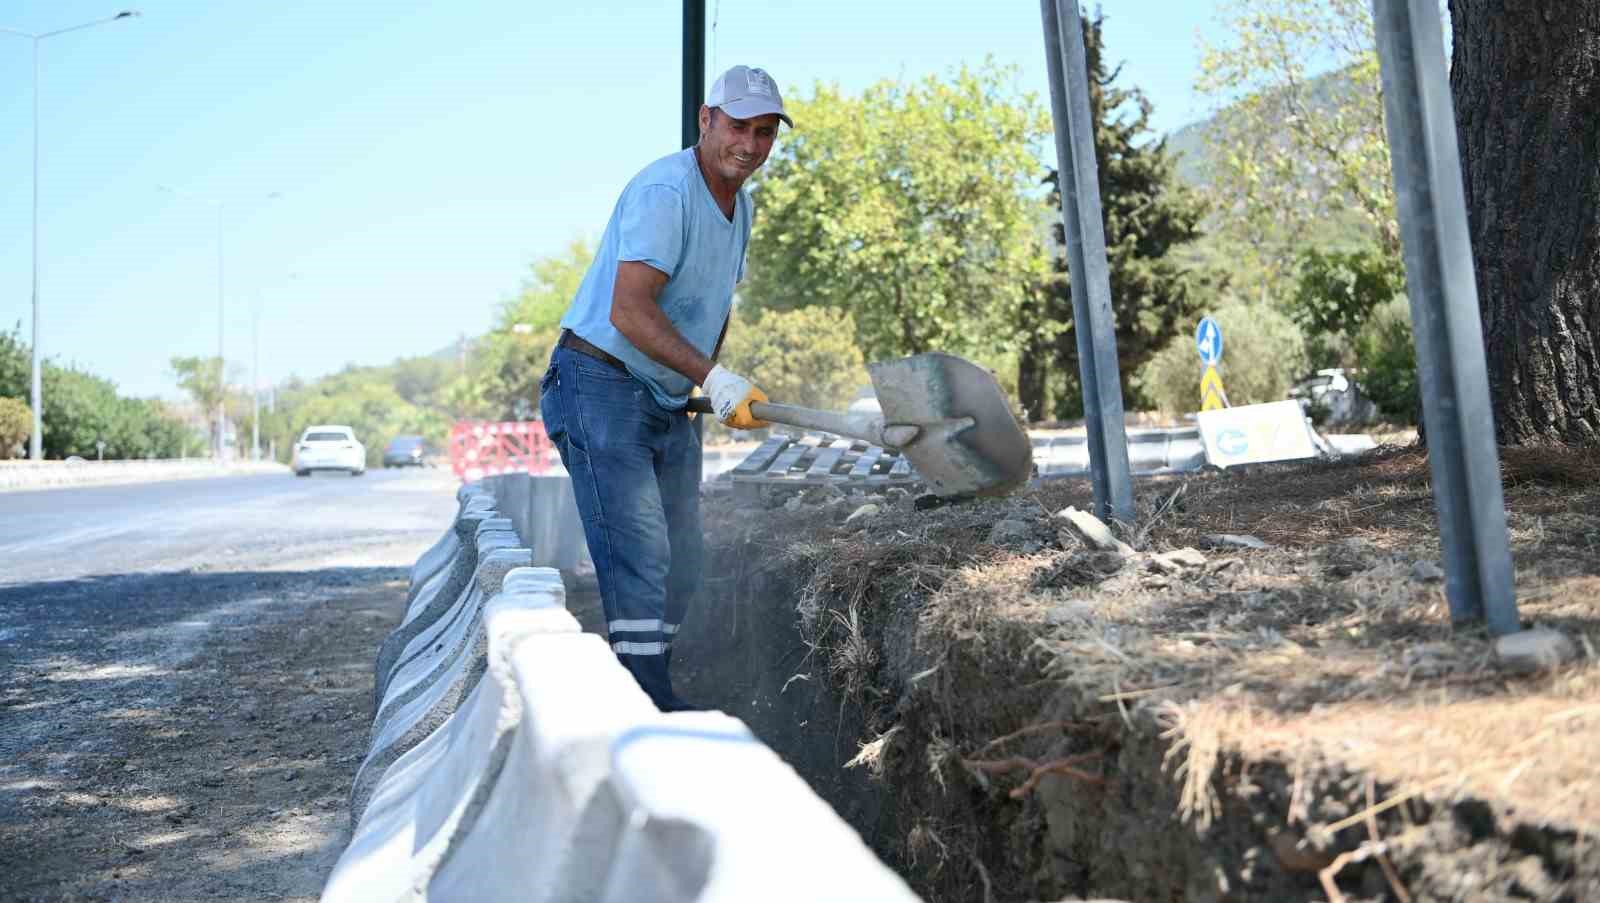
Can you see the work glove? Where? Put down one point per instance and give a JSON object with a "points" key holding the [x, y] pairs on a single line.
{"points": [[731, 397]]}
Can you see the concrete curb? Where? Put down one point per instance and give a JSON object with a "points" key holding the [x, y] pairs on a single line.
{"points": [[28, 476]]}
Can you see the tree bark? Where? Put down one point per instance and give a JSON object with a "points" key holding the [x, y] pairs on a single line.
{"points": [[1525, 80]]}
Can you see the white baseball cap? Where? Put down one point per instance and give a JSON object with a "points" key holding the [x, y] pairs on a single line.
{"points": [[745, 93]]}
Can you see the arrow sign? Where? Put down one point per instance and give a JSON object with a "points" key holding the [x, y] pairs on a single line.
{"points": [[1208, 339]]}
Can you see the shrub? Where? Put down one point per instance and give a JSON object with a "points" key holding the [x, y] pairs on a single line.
{"points": [[1263, 354], [1335, 293], [16, 425], [1389, 360]]}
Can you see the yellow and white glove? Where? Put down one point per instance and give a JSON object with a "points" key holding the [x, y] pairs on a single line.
{"points": [[731, 397]]}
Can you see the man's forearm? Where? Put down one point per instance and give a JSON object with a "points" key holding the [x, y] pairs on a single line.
{"points": [[642, 322]]}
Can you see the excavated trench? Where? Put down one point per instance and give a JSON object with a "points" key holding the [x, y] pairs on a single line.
{"points": [[926, 730]]}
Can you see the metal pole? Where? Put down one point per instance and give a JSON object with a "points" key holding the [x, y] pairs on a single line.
{"points": [[36, 394], [1093, 322], [1451, 369], [36, 441], [222, 362], [694, 68], [255, 382]]}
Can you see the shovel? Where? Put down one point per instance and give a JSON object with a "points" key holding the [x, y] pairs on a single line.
{"points": [[946, 414]]}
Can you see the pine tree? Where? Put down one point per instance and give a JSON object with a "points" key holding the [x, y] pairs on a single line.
{"points": [[1148, 213]]}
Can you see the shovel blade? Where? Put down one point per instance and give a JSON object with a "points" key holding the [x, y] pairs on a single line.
{"points": [[937, 391]]}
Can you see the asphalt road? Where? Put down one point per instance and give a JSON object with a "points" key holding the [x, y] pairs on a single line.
{"points": [[185, 677], [213, 524]]}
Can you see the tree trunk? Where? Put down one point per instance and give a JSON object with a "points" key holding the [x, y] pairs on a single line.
{"points": [[1525, 80]]}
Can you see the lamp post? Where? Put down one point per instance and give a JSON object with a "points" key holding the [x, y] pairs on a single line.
{"points": [[255, 377], [36, 441], [222, 362]]}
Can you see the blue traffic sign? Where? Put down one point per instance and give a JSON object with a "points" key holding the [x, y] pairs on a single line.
{"points": [[1208, 338]]}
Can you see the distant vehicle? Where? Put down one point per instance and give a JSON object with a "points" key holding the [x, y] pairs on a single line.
{"points": [[1334, 397], [329, 447], [407, 451]]}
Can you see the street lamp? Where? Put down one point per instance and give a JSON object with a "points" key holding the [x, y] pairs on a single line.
{"points": [[36, 442], [255, 376], [222, 362]]}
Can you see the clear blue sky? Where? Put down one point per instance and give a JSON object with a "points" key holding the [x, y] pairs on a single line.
{"points": [[424, 152]]}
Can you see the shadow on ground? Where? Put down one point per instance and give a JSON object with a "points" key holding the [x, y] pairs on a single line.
{"points": [[184, 735]]}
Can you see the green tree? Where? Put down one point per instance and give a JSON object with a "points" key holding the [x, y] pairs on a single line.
{"points": [[363, 398], [16, 425], [201, 377], [1297, 158], [16, 368], [1336, 292], [1388, 357], [805, 356], [1148, 214], [502, 381], [915, 207]]}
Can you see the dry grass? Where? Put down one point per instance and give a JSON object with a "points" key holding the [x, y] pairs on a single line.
{"points": [[1325, 648]]}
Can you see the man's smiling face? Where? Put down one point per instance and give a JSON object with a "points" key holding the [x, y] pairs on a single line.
{"points": [[733, 149]]}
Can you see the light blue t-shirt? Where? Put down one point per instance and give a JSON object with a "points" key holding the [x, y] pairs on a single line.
{"points": [[668, 219]]}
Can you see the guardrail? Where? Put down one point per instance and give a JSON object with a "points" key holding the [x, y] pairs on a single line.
{"points": [[513, 758]]}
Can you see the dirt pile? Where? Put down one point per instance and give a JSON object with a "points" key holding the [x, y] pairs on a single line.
{"points": [[1252, 693]]}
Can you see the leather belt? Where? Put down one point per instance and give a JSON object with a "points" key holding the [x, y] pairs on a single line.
{"points": [[570, 339]]}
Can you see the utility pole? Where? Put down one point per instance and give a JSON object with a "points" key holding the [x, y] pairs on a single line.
{"points": [[255, 380], [36, 394], [694, 68]]}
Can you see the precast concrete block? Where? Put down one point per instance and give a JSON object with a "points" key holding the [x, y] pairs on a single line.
{"points": [[713, 818], [428, 607], [493, 561], [426, 657], [554, 527], [423, 715], [497, 521], [512, 493], [543, 833], [436, 789], [439, 554]]}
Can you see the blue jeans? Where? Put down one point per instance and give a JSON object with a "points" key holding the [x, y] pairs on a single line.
{"points": [[635, 469]]}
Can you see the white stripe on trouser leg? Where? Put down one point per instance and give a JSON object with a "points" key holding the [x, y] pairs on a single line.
{"points": [[626, 648], [636, 625], [670, 629]]}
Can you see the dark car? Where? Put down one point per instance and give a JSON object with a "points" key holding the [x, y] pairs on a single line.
{"points": [[406, 451]]}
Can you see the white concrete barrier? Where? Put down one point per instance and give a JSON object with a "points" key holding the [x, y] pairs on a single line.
{"points": [[426, 692], [546, 516], [513, 758], [436, 790], [541, 833], [438, 556], [425, 657], [714, 816], [425, 621], [434, 599]]}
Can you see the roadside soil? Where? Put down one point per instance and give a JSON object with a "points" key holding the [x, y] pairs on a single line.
{"points": [[1006, 713], [194, 736]]}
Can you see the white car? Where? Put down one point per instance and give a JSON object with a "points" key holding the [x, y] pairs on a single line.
{"points": [[329, 447]]}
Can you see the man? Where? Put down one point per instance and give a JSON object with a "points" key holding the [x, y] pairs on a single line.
{"points": [[643, 330]]}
